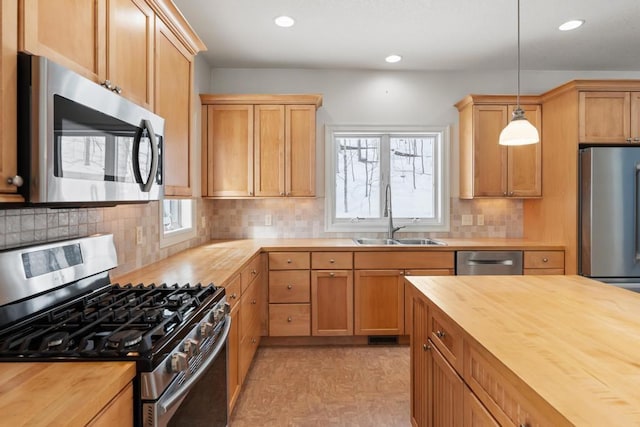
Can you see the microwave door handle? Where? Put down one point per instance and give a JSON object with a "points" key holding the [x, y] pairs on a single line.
{"points": [[146, 186]]}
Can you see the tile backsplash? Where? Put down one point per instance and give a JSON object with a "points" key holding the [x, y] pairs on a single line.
{"points": [[292, 218]]}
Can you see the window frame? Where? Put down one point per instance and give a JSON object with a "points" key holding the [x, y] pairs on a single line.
{"points": [[168, 238], [441, 223]]}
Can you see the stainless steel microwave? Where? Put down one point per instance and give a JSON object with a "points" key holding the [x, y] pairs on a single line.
{"points": [[79, 142]]}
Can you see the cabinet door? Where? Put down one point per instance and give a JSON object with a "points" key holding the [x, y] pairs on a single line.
{"points": [[420, 368], [475, 414], [331, 302], [174, 83], [605, 117], [635, 116], [233, 372], [524, 168], [489, 158], [379, 302], [408, 314], [230, 150], [8, 73], [118, 412], [269, 150], [447, 392], [130, 49], [69, 32], [300, 154]]}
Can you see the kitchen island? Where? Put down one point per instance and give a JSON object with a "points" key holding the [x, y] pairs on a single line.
{"points": [[524, 350]]}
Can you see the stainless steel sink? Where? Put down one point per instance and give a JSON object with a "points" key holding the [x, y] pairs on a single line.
{"points": [[386, 242], [368, 241], [420, 242]]}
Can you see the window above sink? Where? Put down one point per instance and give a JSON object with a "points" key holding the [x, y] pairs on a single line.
{"points": [[362, 160]]}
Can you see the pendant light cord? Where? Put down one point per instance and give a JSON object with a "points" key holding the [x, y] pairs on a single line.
{"points": [[518, 93]]}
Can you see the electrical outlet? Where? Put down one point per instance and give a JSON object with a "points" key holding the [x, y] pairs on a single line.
{"points": [[480, 219], [467, 219], [268, 220], [139, 235]]}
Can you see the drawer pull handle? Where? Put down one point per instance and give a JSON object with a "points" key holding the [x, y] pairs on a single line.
{"points": [[253, 302], [332, 261], [288, 261], [426, 347], [289, 319], [332, 274], [440, 334], [289, 286], [234, 295], [545, 259]]}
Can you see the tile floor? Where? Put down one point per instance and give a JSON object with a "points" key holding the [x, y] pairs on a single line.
{"points": [[326, 386]]}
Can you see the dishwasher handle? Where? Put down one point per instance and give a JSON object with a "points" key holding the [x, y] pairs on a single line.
{"points": [[490, 262]]}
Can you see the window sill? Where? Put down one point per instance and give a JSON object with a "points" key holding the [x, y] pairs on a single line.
{"points": [[174, 237]]}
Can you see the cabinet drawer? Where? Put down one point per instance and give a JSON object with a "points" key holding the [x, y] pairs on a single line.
{"points": [[232, 290], [447, 337], [544, 271], [403, 260], [506, 403], [289, 320], [250, 272], [287, 286], [544, 259], [332, 260], [289, 260]]}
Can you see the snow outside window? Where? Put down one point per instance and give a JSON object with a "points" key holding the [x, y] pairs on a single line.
{"points": [[361, 161], [178, 221]]}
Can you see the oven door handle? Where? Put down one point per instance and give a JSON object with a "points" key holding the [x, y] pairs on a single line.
{"points": [[176, 398]]}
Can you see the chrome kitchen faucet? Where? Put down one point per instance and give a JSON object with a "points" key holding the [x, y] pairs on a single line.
{"points": [[387, 213]]}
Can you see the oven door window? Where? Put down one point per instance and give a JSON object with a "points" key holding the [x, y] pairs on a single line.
{"points": [[92, 146]]}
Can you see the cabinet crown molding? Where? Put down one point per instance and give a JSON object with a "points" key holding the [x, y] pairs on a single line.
{"points": [[175, 20], [262, 99]]}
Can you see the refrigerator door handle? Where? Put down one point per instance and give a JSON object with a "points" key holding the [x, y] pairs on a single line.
{"points": [[635, 211]]}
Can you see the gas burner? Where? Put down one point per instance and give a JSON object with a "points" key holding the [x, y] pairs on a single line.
{"points": [[178, 299], [55, 341], [153, 315], [124, 339]]}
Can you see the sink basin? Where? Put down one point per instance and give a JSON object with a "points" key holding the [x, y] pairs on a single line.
{"points": [[421, 242], [368, 241]]}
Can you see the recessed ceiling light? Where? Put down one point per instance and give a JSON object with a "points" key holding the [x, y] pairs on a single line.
{"points": [[393, 58], [571, 25], [284, 21]]}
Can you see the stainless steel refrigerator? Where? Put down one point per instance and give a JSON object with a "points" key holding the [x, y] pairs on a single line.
{"points": [[609, 237]]}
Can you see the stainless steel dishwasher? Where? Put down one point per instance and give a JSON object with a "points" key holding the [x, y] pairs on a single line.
{"points": [[488, 263]]}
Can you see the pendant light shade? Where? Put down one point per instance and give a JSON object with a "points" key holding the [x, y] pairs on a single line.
{"points": [[519, 131]]}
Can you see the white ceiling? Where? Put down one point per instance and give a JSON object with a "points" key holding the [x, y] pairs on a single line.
{"points": [[429, 34]]}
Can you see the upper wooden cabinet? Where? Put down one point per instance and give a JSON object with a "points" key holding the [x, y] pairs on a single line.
{"points": [[609, 117], [259, 145], [488, 169], [8, 73], [144, 49]]}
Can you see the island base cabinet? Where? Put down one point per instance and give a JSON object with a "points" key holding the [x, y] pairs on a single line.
{"points": [[476, 415], [118, 412]]}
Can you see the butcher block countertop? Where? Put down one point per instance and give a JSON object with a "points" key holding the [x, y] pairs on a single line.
{"points": [[574, 341], [217, 261], [61, 393]]}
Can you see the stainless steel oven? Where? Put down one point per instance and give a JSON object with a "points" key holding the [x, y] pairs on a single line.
{"points": [[81, 142]]}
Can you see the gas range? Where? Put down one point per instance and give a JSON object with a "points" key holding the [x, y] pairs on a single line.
{"points": [[57, 304]]}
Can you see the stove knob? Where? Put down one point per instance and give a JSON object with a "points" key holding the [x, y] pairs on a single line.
{"points": [[179, 362], [191, 347], [206, 329]]}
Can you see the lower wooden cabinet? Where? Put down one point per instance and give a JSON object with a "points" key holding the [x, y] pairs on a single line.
{"points": [[250, 326], [118, 412], [408, 309], [331, 302], [543, 262], [379, 302], [475, 414], [446, 392], [233, 372], [289, 320]]}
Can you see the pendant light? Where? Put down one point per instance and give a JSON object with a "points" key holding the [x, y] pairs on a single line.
{"points": [[519, 131]]}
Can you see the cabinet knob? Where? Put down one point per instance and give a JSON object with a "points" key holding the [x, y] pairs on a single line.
{"points": [[107, 84], [234, 295], [426, 347], [332, 274], [511, 193], [402, 273], [253, 341], [545, 259], [636, 139], [289, 319], [332, 261], [254, 302], [289, 286], [254, 272], [282, 193], [251, 193], [504, 194], [407, 273], [628, 139], [440, 334], [117, 90], [15, 180], [288, 261]]}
